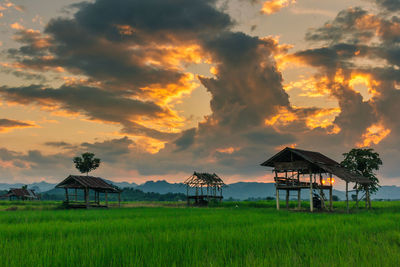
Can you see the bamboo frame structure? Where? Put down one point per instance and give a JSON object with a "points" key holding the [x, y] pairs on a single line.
{"points": [[206, 187]]}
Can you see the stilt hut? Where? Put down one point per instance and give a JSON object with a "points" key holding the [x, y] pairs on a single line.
{"points": [[205, 187], [297, 169], [87, 184]]}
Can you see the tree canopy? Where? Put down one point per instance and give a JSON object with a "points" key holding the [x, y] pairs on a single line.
{"points": [[86, 163], [363, 161]]}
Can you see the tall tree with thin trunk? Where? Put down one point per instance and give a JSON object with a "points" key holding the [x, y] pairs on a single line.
{"points": [[363, 161], [86, 163]]}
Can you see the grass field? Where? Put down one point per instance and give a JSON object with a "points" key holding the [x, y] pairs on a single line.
{"points": [[251, 234]]}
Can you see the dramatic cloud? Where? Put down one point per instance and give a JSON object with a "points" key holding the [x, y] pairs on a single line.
{"points": [[8, 125], [129, 62], [273, 6], [95, 103]]}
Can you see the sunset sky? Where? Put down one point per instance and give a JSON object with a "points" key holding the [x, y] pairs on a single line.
{"points": [[160, 88]]}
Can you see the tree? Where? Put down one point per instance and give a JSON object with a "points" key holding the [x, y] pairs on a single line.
{"points": [[86, 163], [363, 161]]}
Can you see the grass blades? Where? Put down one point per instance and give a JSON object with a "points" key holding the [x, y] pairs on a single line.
{"points": [[238, 234]]}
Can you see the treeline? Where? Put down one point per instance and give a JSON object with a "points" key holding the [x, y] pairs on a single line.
{"points": [[128, 194]]}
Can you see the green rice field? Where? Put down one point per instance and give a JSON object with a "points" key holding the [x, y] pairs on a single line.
{"points": [[170, 234]]}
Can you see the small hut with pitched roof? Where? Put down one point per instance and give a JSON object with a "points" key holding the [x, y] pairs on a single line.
{"points": [[205, 187], [87, 184]]}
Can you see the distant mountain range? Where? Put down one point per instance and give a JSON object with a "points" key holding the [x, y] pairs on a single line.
{"points": [[240, 190]]}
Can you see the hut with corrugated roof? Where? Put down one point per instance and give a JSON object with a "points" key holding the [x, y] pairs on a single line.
{"points": [[201, 188], [297, 169], [87, 184]]}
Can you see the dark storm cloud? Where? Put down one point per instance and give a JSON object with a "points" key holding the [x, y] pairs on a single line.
{"points": [[186, 139], [182, 17], [92, 42], [109, 150], [342, 28], [388, 5], [248, 86]]}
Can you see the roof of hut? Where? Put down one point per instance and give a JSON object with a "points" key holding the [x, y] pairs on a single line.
{"points": [[207, 179], [91, 182], [21, 192], [316, 162]]}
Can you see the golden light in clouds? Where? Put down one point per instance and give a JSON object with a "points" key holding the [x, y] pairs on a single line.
{"points": [[323, 118], [150, 145], [283, 117], [310, 87], [273, 6], [373, 135], [227, 150], [163, 95], [364, 79], [17, 26]]}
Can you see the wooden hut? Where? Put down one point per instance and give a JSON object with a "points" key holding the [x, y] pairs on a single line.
{"points": [[21, 194], [297, 169], [205, 187], [87, 184]]}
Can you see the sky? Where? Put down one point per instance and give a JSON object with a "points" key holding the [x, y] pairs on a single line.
{"points": [[158, 89]]}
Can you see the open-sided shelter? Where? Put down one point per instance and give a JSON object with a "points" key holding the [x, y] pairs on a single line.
{"points": [[21, 194], [297, 169], [206, 187], [87, 184]]}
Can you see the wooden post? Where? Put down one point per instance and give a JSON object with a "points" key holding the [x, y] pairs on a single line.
{"points": [[76, 194], [287, 198], [277, 197], [220, 200], [321, 192], [187, 194], [106, 197], [347, 197], [87, 197], [330, 193], [357, 195], [66, 195], [299, 198], [311, 193], [119, 199]]}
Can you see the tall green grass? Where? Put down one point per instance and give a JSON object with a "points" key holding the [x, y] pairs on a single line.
{"points": [[234, 234]]}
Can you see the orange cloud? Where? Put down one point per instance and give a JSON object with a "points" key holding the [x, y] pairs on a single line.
{"points": [[273, 6], [227, 150], [373, 135], [17, 26], [163, 95], [283, 117], [364, 79], [149, 145], [324, 118]]}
